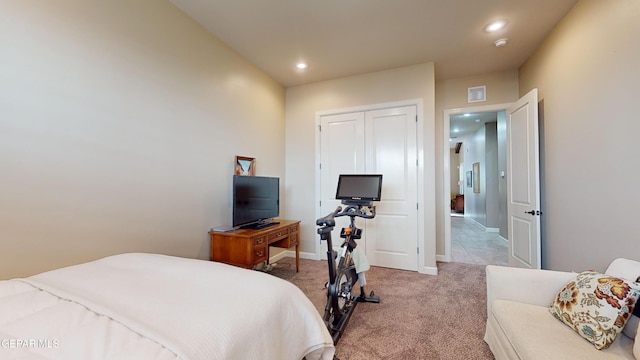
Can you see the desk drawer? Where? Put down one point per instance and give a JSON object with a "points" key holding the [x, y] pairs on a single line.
{"points": [[286, 243], [259, 254], [293, 239], [278, 234], [260, 240]]}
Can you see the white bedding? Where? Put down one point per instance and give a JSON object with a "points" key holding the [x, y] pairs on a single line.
{"points": [[149, 306]]}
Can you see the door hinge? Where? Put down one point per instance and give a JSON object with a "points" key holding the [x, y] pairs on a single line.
{"points": [[417, 250], [320, 166], [320, 203], [416, 118], [417, 206], [320, 128]]}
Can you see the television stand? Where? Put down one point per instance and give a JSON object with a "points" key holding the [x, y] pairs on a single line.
{"points": [[249, 247]]}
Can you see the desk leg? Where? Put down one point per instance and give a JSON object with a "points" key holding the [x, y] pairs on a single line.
{"points": [[297, 258], [268, 255]]}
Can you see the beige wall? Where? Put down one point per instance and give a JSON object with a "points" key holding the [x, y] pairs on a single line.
{"points": [[502, 88], [302, 103], [587, 75], [119, 122]]}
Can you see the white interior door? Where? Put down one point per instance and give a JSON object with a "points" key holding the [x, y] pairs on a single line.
{"points": [[390, 140], [376, 142], [341, 152], [523, 189], [461, 179]]}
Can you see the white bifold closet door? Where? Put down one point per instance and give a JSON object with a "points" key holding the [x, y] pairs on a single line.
{"points": [[376, 142]]}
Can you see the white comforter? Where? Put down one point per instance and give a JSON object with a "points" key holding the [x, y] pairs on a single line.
{"points": [[148, 306]]}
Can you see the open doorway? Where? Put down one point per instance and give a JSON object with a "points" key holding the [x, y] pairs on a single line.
{"points": [[475, 168]]}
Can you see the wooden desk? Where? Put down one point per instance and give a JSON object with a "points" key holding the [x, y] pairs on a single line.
{"points": [[248, 247]]}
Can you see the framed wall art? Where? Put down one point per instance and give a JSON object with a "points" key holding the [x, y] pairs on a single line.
{"points": [[245, 166], [476, 178]]}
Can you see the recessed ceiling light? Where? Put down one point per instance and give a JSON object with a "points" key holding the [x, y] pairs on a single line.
{"points": [[302, 65], [477, 120], [495, 26], [501, 42], [467, 114]]}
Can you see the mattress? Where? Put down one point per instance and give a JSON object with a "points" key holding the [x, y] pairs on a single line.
{"points": [[150, 306]]}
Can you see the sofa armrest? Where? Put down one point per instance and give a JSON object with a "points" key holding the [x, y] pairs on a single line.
{"points": [[624, 268], [530, 286]]}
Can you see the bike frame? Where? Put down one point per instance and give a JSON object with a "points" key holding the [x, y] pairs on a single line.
{"points": [[342, 275]]}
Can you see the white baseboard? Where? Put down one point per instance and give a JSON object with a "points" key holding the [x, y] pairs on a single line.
{"points": [[428, 270], [275, 258], [443, 258], [292, 254]]}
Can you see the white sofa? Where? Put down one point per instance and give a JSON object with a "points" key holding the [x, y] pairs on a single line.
{"points": [[520, 326]]}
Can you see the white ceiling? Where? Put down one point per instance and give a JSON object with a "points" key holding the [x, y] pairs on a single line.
{"points": [[461, 125], [341, 38]]}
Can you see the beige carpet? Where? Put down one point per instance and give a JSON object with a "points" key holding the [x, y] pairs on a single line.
{"points": [[419, 316]]}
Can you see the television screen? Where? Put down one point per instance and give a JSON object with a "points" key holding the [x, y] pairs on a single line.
{"points": [[359, 187], [255, 199]]}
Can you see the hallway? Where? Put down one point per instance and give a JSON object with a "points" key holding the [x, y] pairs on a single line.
{"points": [[472, 244]]}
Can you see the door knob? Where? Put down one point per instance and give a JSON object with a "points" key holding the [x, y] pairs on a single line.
{"points": [[534, 212]]}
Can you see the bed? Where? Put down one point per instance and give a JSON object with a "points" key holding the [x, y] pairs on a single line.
{"points": [[150, 306]]}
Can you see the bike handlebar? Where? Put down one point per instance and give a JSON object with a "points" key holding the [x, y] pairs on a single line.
{"points": [[329, 219], [358, 211], [350, 210]]}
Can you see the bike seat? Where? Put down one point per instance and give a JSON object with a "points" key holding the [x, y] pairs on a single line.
{"points": [[326, 222]]}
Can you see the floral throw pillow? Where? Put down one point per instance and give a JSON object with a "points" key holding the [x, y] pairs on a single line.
{"points": [[596, 306]]}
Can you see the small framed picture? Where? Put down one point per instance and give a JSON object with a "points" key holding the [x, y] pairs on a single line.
{"points": [[476, 178], [245, 166]]}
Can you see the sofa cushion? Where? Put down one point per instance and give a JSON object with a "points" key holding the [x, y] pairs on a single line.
{"points": [[534, 334], [596, 306], [631, 329]]}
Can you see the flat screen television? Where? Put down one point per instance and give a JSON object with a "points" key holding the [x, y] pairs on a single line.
{"points": [[364, 188], [256, 200]]}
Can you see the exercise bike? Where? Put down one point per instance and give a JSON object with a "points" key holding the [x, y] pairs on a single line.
{"points": [[341, 300]]}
